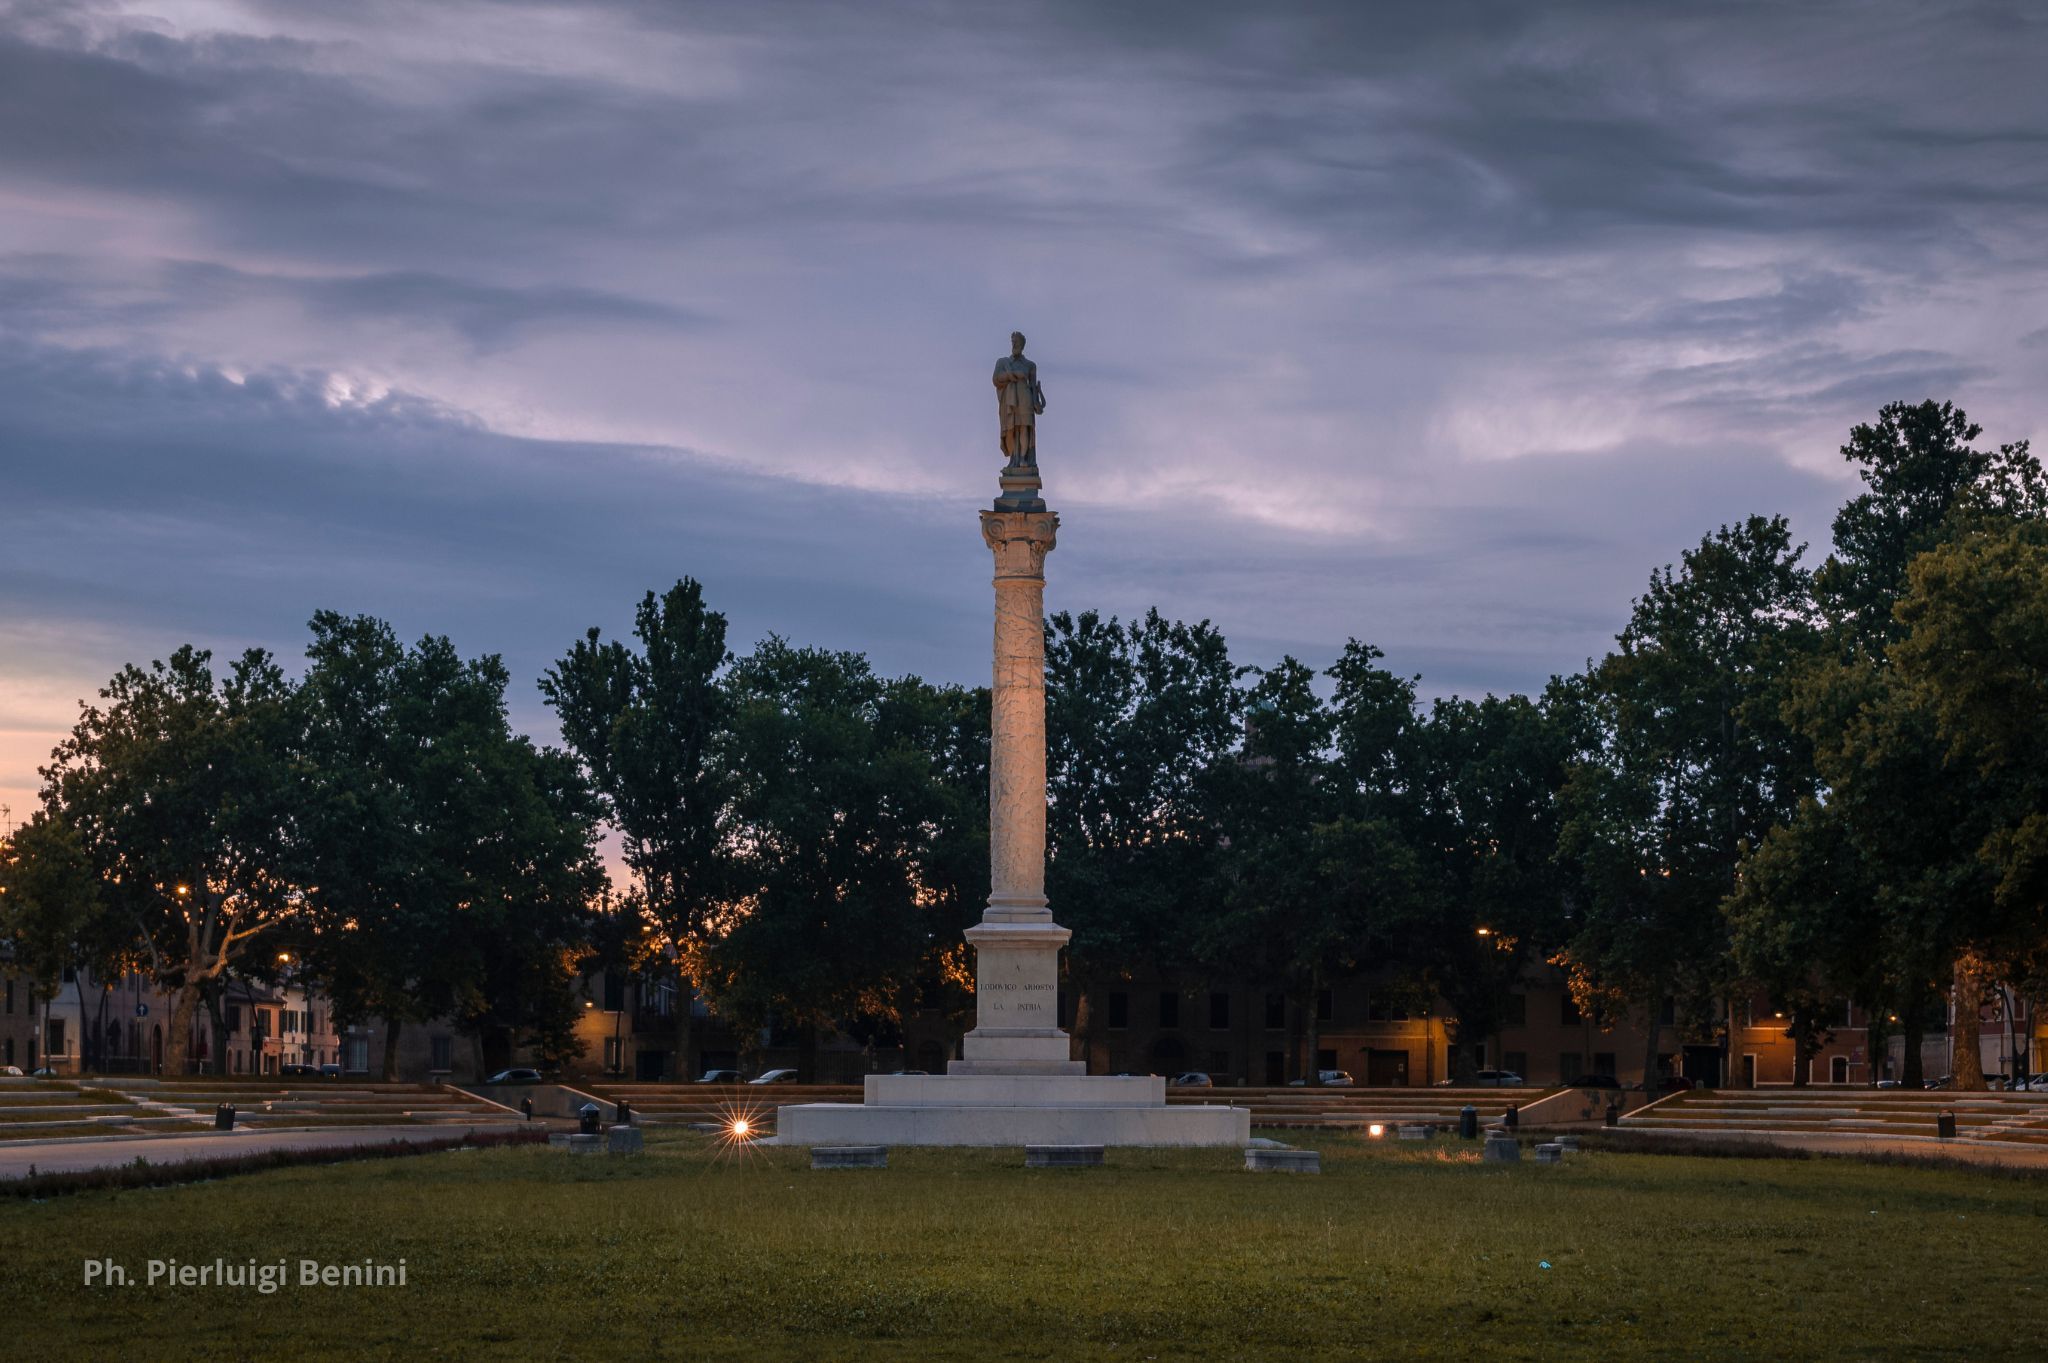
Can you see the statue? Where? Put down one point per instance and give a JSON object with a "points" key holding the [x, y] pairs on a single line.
{"points": [[1019, 400]]}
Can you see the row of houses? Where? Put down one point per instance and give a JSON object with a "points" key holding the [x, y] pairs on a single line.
{"points": [[1234, 1032]]}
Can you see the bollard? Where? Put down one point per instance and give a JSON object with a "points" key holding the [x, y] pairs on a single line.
{"points": [[625, 1113], [526, 1106], [589, 1114], [1468, 1122], [1945, 1123], [1512, 1118], [224, 1117]]}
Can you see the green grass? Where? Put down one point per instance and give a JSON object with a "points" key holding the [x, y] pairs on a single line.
{"points": [[1393, 1252]]}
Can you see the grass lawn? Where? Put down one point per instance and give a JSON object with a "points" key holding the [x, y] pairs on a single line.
{"points": [[1393, 1252]]}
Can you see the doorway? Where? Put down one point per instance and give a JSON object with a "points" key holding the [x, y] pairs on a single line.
{"points": [[1386, 1069], [1749, 1069]]}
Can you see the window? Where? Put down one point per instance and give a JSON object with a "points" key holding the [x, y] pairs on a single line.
{"points": [[1325, 1009], [1668, 1015], [443, 1050], [1119, 1009], [234, 1017], [1568, 1011], [1276, 1011], [54, 1046], [1515, 1013], [1380, 1008], [1570, 1065], [614, 992], [1516, 1062], [71, 974], [1603, 1064], [1219, 1010], [1169, 1009]]}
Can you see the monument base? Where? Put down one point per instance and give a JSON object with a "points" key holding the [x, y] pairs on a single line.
{"points": [[1012, 1109]]}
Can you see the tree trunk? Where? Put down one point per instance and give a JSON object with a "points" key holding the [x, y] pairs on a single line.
{"points": [[1912, 1030], [178, 1035], [1800, 1067], [1312, 1035], [1653, 1033], [685, 1070], [1084, 1027], [807, 1053], [1966, 1056], [1732, 1059], [392, 1026], [217, 1052], [88, 1032]]}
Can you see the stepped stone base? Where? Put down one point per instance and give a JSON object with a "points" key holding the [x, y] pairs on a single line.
{"points": [[1009, 1110]]}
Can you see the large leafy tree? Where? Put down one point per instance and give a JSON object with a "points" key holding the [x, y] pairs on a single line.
{"points": [[1691, 763], [53, 917], [1314, 884], [1485, 776], [183, 792], [837, 806], [1908, 820], [1137, 716], [1975, 658], [427, 824], [645, 724]]}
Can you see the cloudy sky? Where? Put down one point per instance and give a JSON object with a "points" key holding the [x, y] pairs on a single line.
{"points": [[1437, 325]]}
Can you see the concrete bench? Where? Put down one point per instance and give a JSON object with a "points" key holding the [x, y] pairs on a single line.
{"points": [[849, 1157], [1283, 1161], [1062, 1156]]}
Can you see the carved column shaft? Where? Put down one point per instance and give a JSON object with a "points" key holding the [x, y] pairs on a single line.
{"points": [[1020, 542]]}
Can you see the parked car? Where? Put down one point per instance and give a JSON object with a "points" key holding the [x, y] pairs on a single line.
{"points": [[1194, 1079], [11, 1071], [519, 1076], [2030, 1083], [1594, 1081], [1889, 1084], [330, 1071], [1671, 1083], [298, 1071], [1331, 1079], [775, 1077], [1489, 1079], [721, 1077]]}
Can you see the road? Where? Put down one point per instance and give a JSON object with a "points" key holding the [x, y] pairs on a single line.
{"points": [[58, 1157]]}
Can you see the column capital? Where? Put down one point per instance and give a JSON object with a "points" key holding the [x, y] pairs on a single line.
{"points": [[1020, 539]]}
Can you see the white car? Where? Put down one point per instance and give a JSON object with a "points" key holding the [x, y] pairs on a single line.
{"points": [[11, 1071], [775, 1077], [1331, 1079]]}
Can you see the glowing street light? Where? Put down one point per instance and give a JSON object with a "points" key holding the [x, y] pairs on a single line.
{"points": [[1376, 1131]]}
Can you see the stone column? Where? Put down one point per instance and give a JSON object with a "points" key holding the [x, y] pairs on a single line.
{"points": [[1016, 944]]}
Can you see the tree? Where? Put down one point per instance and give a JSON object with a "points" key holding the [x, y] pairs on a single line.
{"points": [[425, 819], [183, 796], [1890, 798], [1312, 883], [1485, 776], [53, 918], [644, 725], [836, 800], [1975, 658], [1137, 716], [1920, 468], [1691, 763]]}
